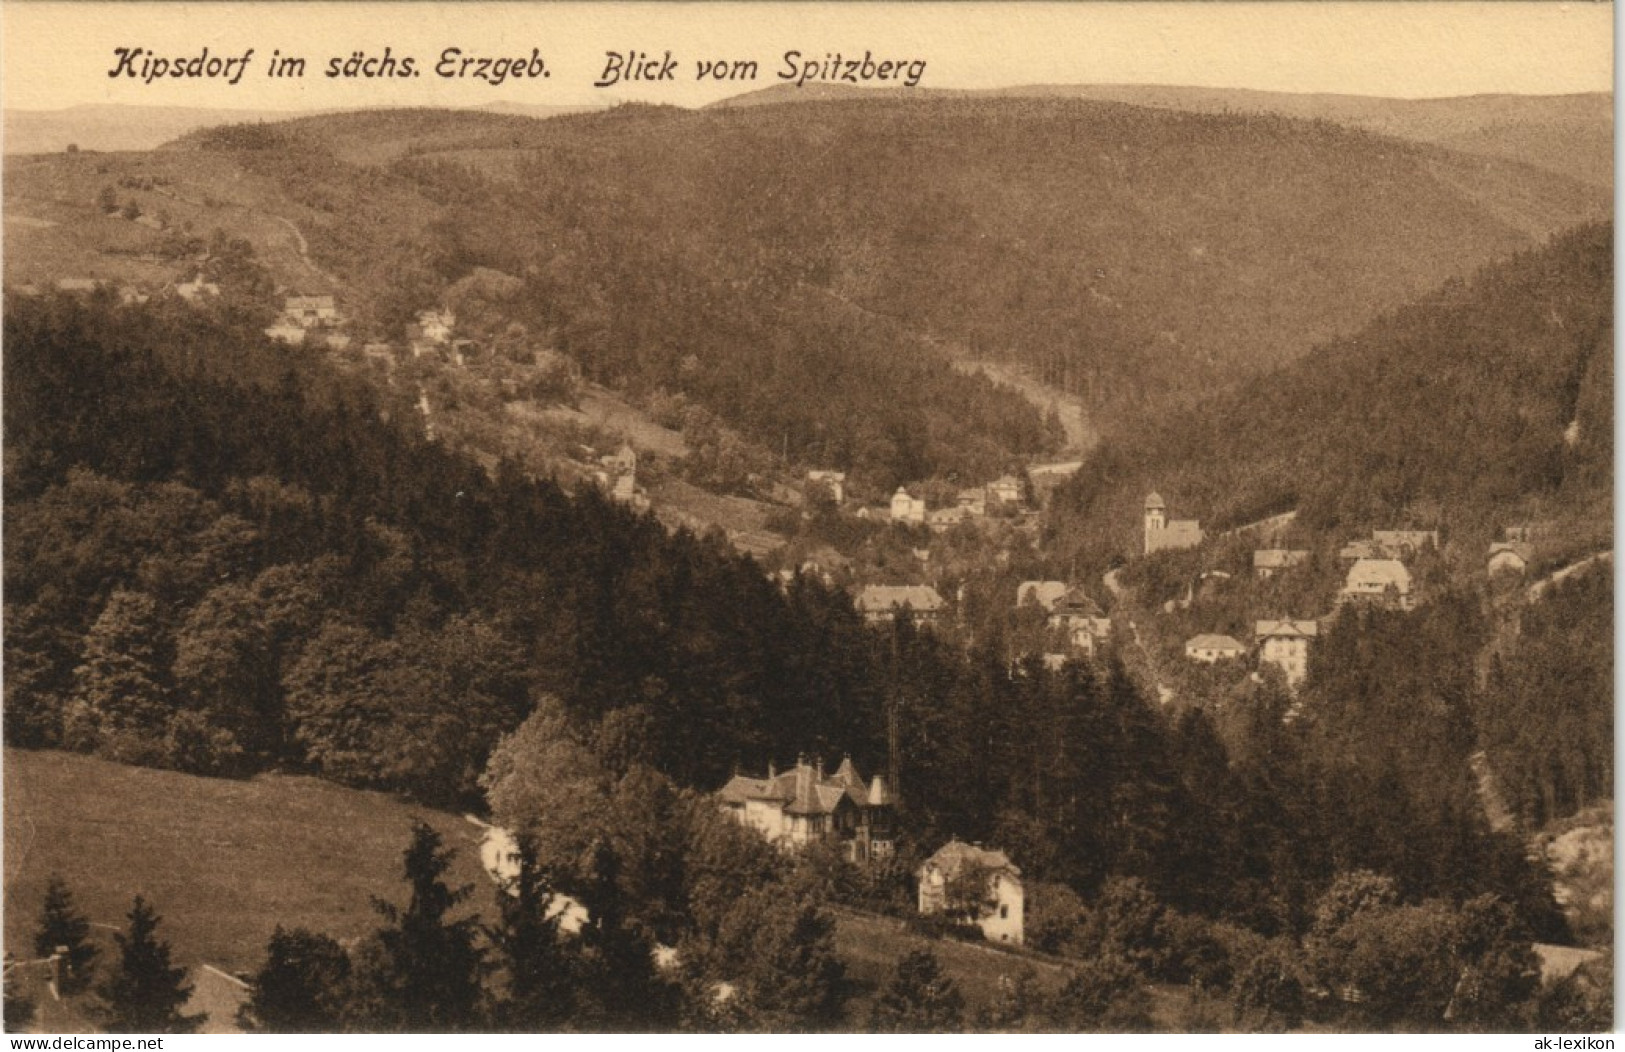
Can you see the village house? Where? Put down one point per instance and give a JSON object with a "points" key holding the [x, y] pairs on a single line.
{"points": [[1006, 489], [1163, 534], [623, 461], [1384, 581], [1045, 593], [435, 326], [1267, 562], [999, 908], [1400, 544], [1359, 550], [1210, 648], [974, 501], [1390, 544], [907, 509], [1080, 617], [310, 311], [1527, 533], [832, 482], [796, 807], [1510, 557], [286, 332], [1285, 644], [194, 290], [76, 284], [879, 603], [944, 519]]}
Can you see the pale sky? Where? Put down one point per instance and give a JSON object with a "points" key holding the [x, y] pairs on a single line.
{"points": [[60, 54]]}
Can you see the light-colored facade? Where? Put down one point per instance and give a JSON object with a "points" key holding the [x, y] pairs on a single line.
{"points": [[1267, 562], [1045, 593], [436, 325], [796, 807], [907, 509], [1006, 489], [1509, 557], [1403, 543], [881, 602], [1210, 648], [1384, 581], [1002, 917], [310, 311], [1163, 534], [833, 483], [1285, 644]]}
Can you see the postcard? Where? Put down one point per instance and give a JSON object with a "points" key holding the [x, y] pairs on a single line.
{"points": [[896, 518]]}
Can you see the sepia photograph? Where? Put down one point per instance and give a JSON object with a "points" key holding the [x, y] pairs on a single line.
{"points": [[866, 518]]}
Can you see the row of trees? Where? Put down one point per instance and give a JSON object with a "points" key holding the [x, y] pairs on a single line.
{"points": [[224, 560], [758, 955], [144, 993]]}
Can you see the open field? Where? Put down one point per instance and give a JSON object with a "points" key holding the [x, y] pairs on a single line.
{"points": [[224, 862], [870, 945]]}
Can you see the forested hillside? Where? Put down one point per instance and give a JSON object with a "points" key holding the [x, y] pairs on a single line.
{"points": [[1487, 403], [221, 560], [748, 256]]}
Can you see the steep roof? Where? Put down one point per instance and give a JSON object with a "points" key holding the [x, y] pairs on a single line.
{"points": [[740, 788], [955, 854], [822, 794], [1287, 629], [847, 775], [1077, 603], [1178, 533], [1277, 558], [1209, 641], [1405, 538], [879, 598], [1154, 501], [1045, 593], [1367, 575], [1360, 550]]}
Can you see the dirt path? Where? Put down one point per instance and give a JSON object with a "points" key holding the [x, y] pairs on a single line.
{"points": [[1542, 586], [1080, 436], [1500, 816]]}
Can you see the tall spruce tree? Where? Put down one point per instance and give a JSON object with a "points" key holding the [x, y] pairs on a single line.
{"points": [[300, 989], [62, 928], [422, 974], [147, 993], [919, 999], [536, 964]]}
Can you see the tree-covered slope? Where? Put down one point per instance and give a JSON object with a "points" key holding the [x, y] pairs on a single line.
{"points": [[1486, 403], [749, 256]]}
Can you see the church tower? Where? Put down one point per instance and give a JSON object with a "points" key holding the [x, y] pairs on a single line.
{"points": [[1156, 519]]}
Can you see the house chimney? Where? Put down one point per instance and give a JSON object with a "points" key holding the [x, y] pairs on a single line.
{"points": [[772, 772], [803, 781]]}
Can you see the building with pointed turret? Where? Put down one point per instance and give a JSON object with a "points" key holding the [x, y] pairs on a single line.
{"points": [[801, 805], [1163, 534]]}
